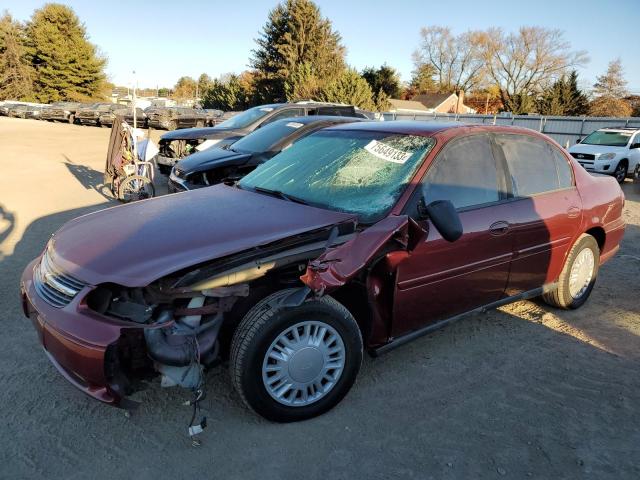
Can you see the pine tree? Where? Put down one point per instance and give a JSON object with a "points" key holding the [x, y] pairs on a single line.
{"points": [[303, 84], [67, 65], [579, 101], [229, 95], [384, 79], [421, 82], [610, 90], [611, 84], [16, 75], [295, 33], [350, 88]]}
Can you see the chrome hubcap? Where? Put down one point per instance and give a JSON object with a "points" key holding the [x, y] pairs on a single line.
{"points": [[303, 363], [581, 273]]}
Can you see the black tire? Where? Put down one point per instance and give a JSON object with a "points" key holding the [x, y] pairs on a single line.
{"points": [[262, 325], [561, 296], [621, 171]]}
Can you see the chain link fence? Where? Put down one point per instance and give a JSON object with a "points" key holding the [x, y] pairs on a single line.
{"points": [[564, 130]]}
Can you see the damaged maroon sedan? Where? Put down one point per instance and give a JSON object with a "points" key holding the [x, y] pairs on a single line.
{"points": [[359, 236]]}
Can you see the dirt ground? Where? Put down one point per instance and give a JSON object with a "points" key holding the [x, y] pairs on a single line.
{"points": [[523, 392]]}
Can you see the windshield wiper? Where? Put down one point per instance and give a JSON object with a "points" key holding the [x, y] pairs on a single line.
{"points": [[279, 194]]}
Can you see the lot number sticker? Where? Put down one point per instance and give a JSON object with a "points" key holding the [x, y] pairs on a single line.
{"points": [[385, 152]]}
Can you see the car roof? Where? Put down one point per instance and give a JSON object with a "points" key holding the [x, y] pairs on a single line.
{"points": [[408, 127], [309, 119]]}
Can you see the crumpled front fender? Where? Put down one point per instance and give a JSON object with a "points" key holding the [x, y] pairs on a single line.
{"points": [[336, 266]]}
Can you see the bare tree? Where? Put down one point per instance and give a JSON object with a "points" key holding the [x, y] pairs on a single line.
{"points": [[456, 60], [525, 62]]}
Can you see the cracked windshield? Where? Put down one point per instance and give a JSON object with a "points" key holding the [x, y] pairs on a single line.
{"points": [[356, 172]]}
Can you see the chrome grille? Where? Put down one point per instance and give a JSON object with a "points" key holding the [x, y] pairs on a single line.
{"points": [[53, 286]]}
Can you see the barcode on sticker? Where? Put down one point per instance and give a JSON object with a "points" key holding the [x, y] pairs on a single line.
{"points": [[385, 152]]}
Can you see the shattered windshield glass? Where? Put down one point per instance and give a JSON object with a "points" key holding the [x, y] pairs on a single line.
{"points": [[350, 171]]}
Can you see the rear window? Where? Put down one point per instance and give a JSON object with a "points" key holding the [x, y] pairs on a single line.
{"points": [[532, 165]]}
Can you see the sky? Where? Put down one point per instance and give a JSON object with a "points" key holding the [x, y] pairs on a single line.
{"points": [[163, 40]]}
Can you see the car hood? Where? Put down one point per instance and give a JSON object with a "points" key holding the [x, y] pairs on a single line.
{"points": [[595, 149], [211, 158], [135, 244], [197, 133]]}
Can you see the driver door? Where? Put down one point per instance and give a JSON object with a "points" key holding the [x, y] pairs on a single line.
{"points": [[441, 279]]}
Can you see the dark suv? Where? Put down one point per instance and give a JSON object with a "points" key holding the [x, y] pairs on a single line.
{"points": [[174, 118], [176, 145]]}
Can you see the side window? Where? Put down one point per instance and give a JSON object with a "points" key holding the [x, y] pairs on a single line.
{"points": [[288, 113], [531, 164], [465, 172], [565, 177]]}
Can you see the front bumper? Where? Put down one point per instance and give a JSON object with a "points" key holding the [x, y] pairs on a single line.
{"points": [[74, 338], [159, 124], [599, 166]]}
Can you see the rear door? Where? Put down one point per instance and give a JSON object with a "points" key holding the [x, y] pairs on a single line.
{"points": [[441, 279], [545, 213]]}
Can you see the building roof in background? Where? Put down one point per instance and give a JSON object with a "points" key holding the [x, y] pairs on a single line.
{"points": [[431, 100], [407, 105]]}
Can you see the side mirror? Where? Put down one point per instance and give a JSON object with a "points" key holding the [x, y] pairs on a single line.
{"points": [[444, 217], [634, 145]]}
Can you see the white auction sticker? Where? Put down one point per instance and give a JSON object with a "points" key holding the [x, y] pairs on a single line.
{"points": [[294, 124], [385, 152]]}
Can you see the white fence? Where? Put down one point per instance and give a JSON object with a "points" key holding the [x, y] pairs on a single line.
{"points": [[564, 130]]}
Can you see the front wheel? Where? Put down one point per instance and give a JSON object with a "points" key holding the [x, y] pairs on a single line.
{"points": [[135, 187], [621, 171], [294, 363], [578, 275]]}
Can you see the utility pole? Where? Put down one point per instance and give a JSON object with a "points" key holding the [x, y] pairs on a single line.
{"points": [[135, 143]]}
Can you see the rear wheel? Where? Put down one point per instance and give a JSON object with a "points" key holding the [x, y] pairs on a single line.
{"points": [[621, 171], [294, 363], [578, 275]]}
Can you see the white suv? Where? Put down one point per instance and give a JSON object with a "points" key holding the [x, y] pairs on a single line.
{"points": [[614, 151]]}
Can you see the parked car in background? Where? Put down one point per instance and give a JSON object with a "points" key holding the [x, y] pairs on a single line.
{"points": [[6, 106], [358, 236], [106, 119], [18, 111], [232, 162], [174, 118], [90, 115], [213, 117], [61, 112], [613, 151], [176, 145], [34, 112]]}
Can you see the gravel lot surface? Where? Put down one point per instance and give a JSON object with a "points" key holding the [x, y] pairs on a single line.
{"points": [[522, 392]]}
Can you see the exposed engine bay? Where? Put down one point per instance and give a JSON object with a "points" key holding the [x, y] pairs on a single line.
{"points": [[184, 318]]}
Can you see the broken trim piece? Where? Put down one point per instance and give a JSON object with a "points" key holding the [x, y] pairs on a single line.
{"points": [[338, 265]]}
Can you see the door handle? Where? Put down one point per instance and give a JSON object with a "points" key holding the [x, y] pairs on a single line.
{"points": [[499, 228], [573, 212]]}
